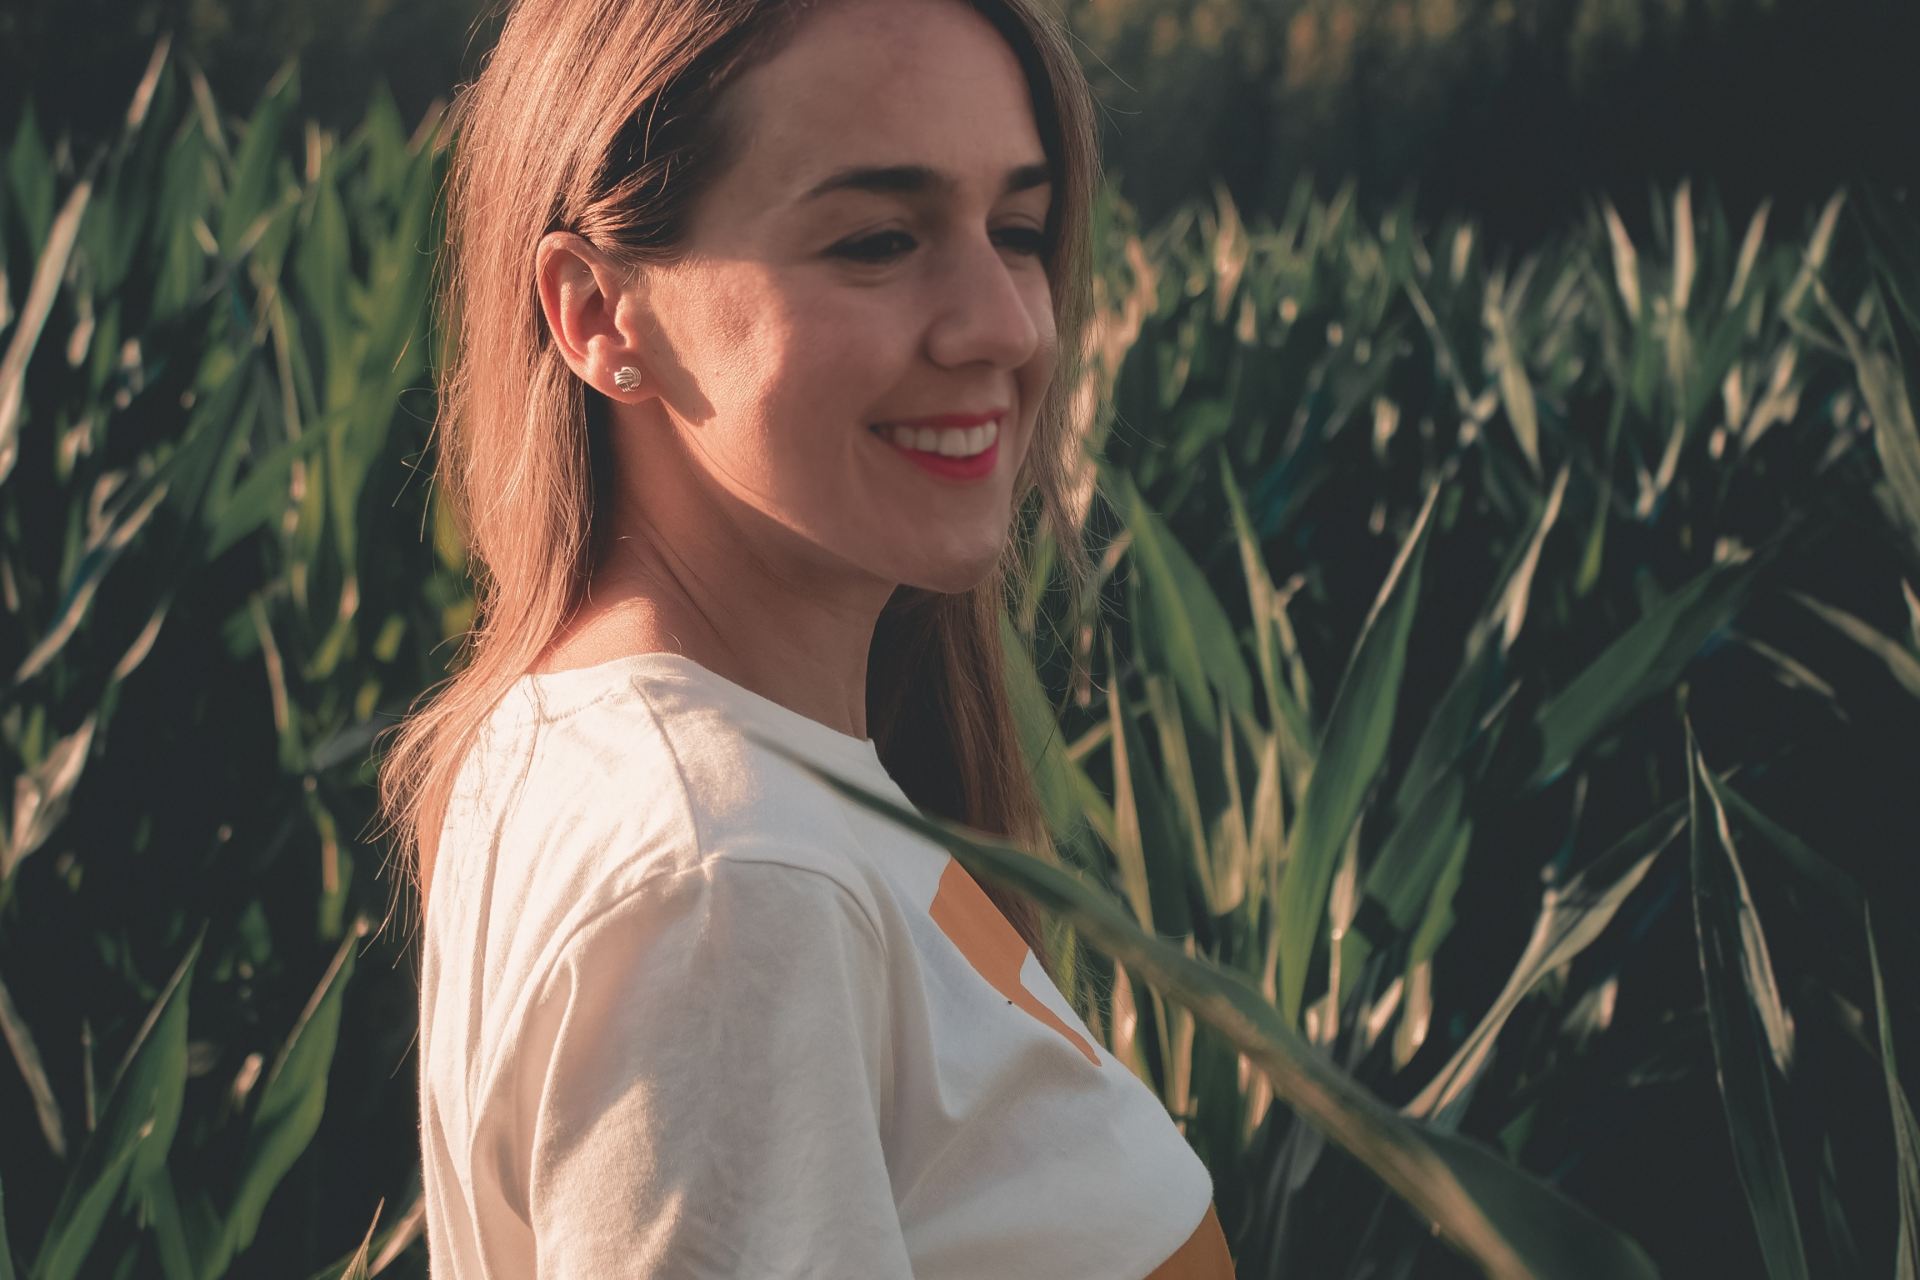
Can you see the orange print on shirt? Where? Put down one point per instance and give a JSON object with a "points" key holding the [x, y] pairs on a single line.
{"points": [[1203, 1257], [967, 915]]}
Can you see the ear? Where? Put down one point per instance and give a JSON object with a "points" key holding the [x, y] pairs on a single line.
{"points": [[591, 311]]}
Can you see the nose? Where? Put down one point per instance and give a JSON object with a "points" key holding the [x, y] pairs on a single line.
{"points": [[984, 307]]}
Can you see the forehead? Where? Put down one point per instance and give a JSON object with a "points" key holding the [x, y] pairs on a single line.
{"points": [[883, 82]]}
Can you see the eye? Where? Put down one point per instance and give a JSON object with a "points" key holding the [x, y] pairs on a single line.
{"points": [[873, 248], [1030, 241]]}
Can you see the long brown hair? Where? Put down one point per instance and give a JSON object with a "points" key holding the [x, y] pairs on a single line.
{"points": [[609, 118]]}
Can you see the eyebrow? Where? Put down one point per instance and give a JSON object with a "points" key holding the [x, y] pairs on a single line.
{"points": [[914, 179]]}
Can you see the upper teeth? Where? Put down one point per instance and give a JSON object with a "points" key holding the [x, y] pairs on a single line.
{"points": [[951, 442]]}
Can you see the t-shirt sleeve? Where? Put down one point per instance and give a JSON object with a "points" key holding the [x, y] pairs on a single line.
{"points": [[703, 1085]]}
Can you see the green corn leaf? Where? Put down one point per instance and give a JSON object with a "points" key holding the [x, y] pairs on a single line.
{"points": [[136, 506], [31, 179], [376, 1251], [1889, 234], [1433, 791], [1839, 887], [355, 1266], [1749, 252], [1626, 263], [293, 1094], [1041, 744], [1720, 911], [1896, 434], [1152, 868], [262, 496], [1902, 663], [1436, 921], [6, 1249], [1571, 916], [1516, 389], [1647, 658], [322, 286], [135, 1129], [48, 272], [42, 795], [1510, 1223], [1906, 1130], [1452, 752], [1188, 634], [1283, 709], [1352, 753], [170, 1236], [1421, 844], [1756, 963], [250, 190]]}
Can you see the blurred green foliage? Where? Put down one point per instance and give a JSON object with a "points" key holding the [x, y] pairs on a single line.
{"points": [[1452, 588], [1512, 112]]}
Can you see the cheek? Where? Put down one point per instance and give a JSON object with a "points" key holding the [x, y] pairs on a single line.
{"points": [[1039, 369]]}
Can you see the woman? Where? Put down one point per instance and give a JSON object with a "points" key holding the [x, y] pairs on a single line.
{"points": [[756, 308]]}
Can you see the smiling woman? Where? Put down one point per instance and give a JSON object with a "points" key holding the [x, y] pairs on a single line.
{"points": [[765, 323]]}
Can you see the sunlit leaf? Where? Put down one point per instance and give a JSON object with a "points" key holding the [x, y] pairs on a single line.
{"points": [[1571, 916], [1739, 1048]]}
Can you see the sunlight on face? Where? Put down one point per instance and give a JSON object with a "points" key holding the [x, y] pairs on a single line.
{"points": [[800, 318]]}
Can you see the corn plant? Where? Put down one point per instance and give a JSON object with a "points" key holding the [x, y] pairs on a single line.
{"points": [[1499, 539], [220, 325]]}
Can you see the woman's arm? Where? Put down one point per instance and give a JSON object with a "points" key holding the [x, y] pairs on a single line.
{"points": [[702, 1081]]}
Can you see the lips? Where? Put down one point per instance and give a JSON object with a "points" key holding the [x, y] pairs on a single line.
{"points": [[971, 467]]}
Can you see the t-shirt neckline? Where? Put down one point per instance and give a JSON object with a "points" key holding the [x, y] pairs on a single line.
{"points": [[557, 693]]}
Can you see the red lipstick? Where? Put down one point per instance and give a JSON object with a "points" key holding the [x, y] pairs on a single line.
{"points": [[973, 467]]}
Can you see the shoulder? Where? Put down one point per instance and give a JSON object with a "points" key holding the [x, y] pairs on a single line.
{"points": [[742, 901], [581, 793]]}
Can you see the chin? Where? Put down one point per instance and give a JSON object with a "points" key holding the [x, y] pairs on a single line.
{"points": [[957, 577]]}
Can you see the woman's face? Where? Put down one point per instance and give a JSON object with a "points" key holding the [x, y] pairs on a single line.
{"points": [[812, 306]]}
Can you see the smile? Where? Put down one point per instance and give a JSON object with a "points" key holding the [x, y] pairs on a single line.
{"points": [[961, 453]]}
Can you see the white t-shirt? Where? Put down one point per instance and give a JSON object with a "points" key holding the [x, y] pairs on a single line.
{"points": [[686, 1012]]}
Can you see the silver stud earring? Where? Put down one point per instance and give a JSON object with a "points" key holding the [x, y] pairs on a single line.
{"points": [[626, 377]]}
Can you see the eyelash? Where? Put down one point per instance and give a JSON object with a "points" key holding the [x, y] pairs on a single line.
{"points": [[1034, 240]]}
